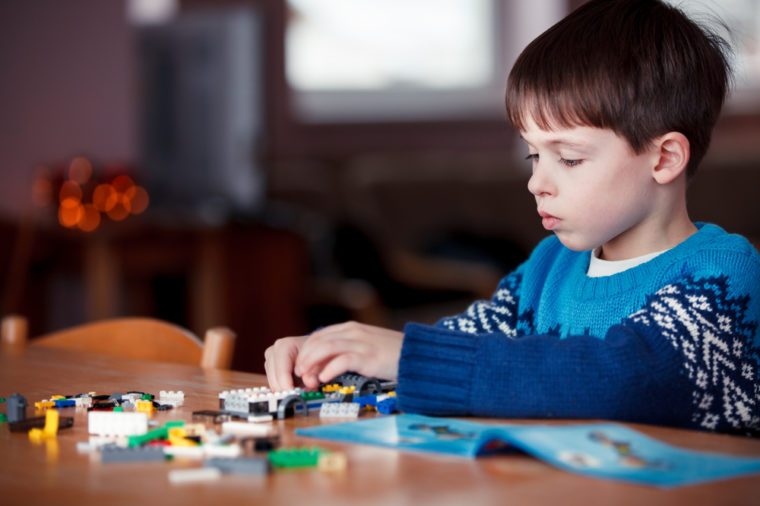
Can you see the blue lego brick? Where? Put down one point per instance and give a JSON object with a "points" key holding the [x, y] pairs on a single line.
{"points": [[65, 403], [366, 400], [387, 406]]}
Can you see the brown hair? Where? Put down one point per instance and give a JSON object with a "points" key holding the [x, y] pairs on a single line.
{"points": [[641, 68]]}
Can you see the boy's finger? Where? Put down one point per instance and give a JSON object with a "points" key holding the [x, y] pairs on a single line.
{"points": [[338, 365], [283, 372], [322, 353], [322, 340]]}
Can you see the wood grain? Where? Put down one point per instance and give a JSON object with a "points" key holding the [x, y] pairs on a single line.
{"points": [[56, 473]]}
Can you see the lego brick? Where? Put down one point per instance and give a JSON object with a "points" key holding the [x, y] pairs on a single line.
{"points": [[260, 418], [333, 462], [339, 410], [38, 422], [109, 423], [153, 434], [114, 454], [246, 429], [186, 452], [387, 406], [173, 398], [287, 406], [244, 465], [295, 457], [180, 476], [261, 444], [311, 396], [65, 403], [222, 451], [16, 408]]}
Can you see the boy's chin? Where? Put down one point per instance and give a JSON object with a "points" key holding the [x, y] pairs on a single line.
{"points": [[575, 243]]}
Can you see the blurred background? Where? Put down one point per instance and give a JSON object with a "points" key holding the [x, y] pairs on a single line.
{"points": [[276, 166]]}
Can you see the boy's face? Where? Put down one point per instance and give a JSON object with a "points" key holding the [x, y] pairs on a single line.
{"points": [[591, 189]]}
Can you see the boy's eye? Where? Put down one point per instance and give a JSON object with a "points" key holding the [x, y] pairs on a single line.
{"points": [[570, 163], [532, 157]]}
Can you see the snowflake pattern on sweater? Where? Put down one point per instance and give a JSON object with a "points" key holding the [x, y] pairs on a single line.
{"points": [[710, 331], [500, 314]]}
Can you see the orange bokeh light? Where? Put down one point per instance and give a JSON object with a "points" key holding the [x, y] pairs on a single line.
{"points": [[70, 212], [90, 219], [122, 183], [80, 169], [119, 212], [104, 197], [138, 199], [42, 191], [70, 190]]}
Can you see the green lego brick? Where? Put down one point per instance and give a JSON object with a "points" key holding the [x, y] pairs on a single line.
{"points": [[2, 400], [152, 435], [296, 457], [312, 396], [3, 418], [118, 409], [147, 397]]}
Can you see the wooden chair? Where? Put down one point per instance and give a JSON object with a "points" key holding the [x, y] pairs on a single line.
{"points": [[131, 338]]}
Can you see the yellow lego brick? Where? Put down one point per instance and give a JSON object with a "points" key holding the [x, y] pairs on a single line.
{"points": [[144, 407], [43, 405], [51, 423], [177, 437], [347, 390], [334, 462], [36, 435], [56, 397]]}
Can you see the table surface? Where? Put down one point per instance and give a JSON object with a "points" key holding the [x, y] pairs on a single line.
{"points": [[55, 473]]}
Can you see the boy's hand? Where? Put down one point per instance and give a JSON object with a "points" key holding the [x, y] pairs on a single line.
{"points": [[364, 349], [279, 360]]}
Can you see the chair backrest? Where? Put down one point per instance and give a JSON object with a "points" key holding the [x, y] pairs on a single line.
{"points": [[131, 338]]}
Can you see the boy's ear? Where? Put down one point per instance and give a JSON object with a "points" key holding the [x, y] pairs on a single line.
{"points": [[672, 157]]}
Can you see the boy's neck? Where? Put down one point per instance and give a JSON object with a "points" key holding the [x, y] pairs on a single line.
{"points": [[656, 233]]}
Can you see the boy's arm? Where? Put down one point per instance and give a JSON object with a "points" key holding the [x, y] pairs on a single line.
{"points": [[687, 358]]}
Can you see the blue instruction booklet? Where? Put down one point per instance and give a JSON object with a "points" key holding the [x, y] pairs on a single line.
{"points": [[605, 450]]}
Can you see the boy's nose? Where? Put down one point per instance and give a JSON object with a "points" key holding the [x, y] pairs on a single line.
{"points": [[538, 184]]}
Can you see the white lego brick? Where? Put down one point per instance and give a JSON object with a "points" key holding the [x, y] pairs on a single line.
{"points": [[222, 451], [112, 423], [180, 476], [260, 418], [97, 442], [246, 429], [176, 399], [185, 452], [339, 410], [83, 402]]}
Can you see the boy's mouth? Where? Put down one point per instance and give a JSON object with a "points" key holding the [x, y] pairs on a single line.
{"points": [[547, 220]]}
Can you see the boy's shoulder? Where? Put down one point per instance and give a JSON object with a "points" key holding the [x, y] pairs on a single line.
{"points": [[714, 248]]}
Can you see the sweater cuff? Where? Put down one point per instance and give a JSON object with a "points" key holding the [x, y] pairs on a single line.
{"points": [[436, 371]]}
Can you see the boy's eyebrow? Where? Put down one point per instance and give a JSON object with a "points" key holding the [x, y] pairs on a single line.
{"points": [[565, 142]]}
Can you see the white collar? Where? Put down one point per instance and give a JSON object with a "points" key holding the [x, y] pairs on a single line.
{"points": [[598, 267]]}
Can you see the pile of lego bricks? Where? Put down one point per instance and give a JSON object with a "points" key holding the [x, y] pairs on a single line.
{"points": [[239, 438]]}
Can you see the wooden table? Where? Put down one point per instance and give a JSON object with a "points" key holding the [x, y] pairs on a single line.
{"points": [[56, 474]]}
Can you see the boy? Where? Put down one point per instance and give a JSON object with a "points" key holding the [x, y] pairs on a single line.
{"points": [[630, 311]]}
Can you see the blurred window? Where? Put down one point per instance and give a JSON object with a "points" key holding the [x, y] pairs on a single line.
{"points": [[362, 60], [743, 20]]}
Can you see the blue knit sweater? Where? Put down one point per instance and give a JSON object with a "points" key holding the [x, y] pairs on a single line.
{"points": [[673, 341]]}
